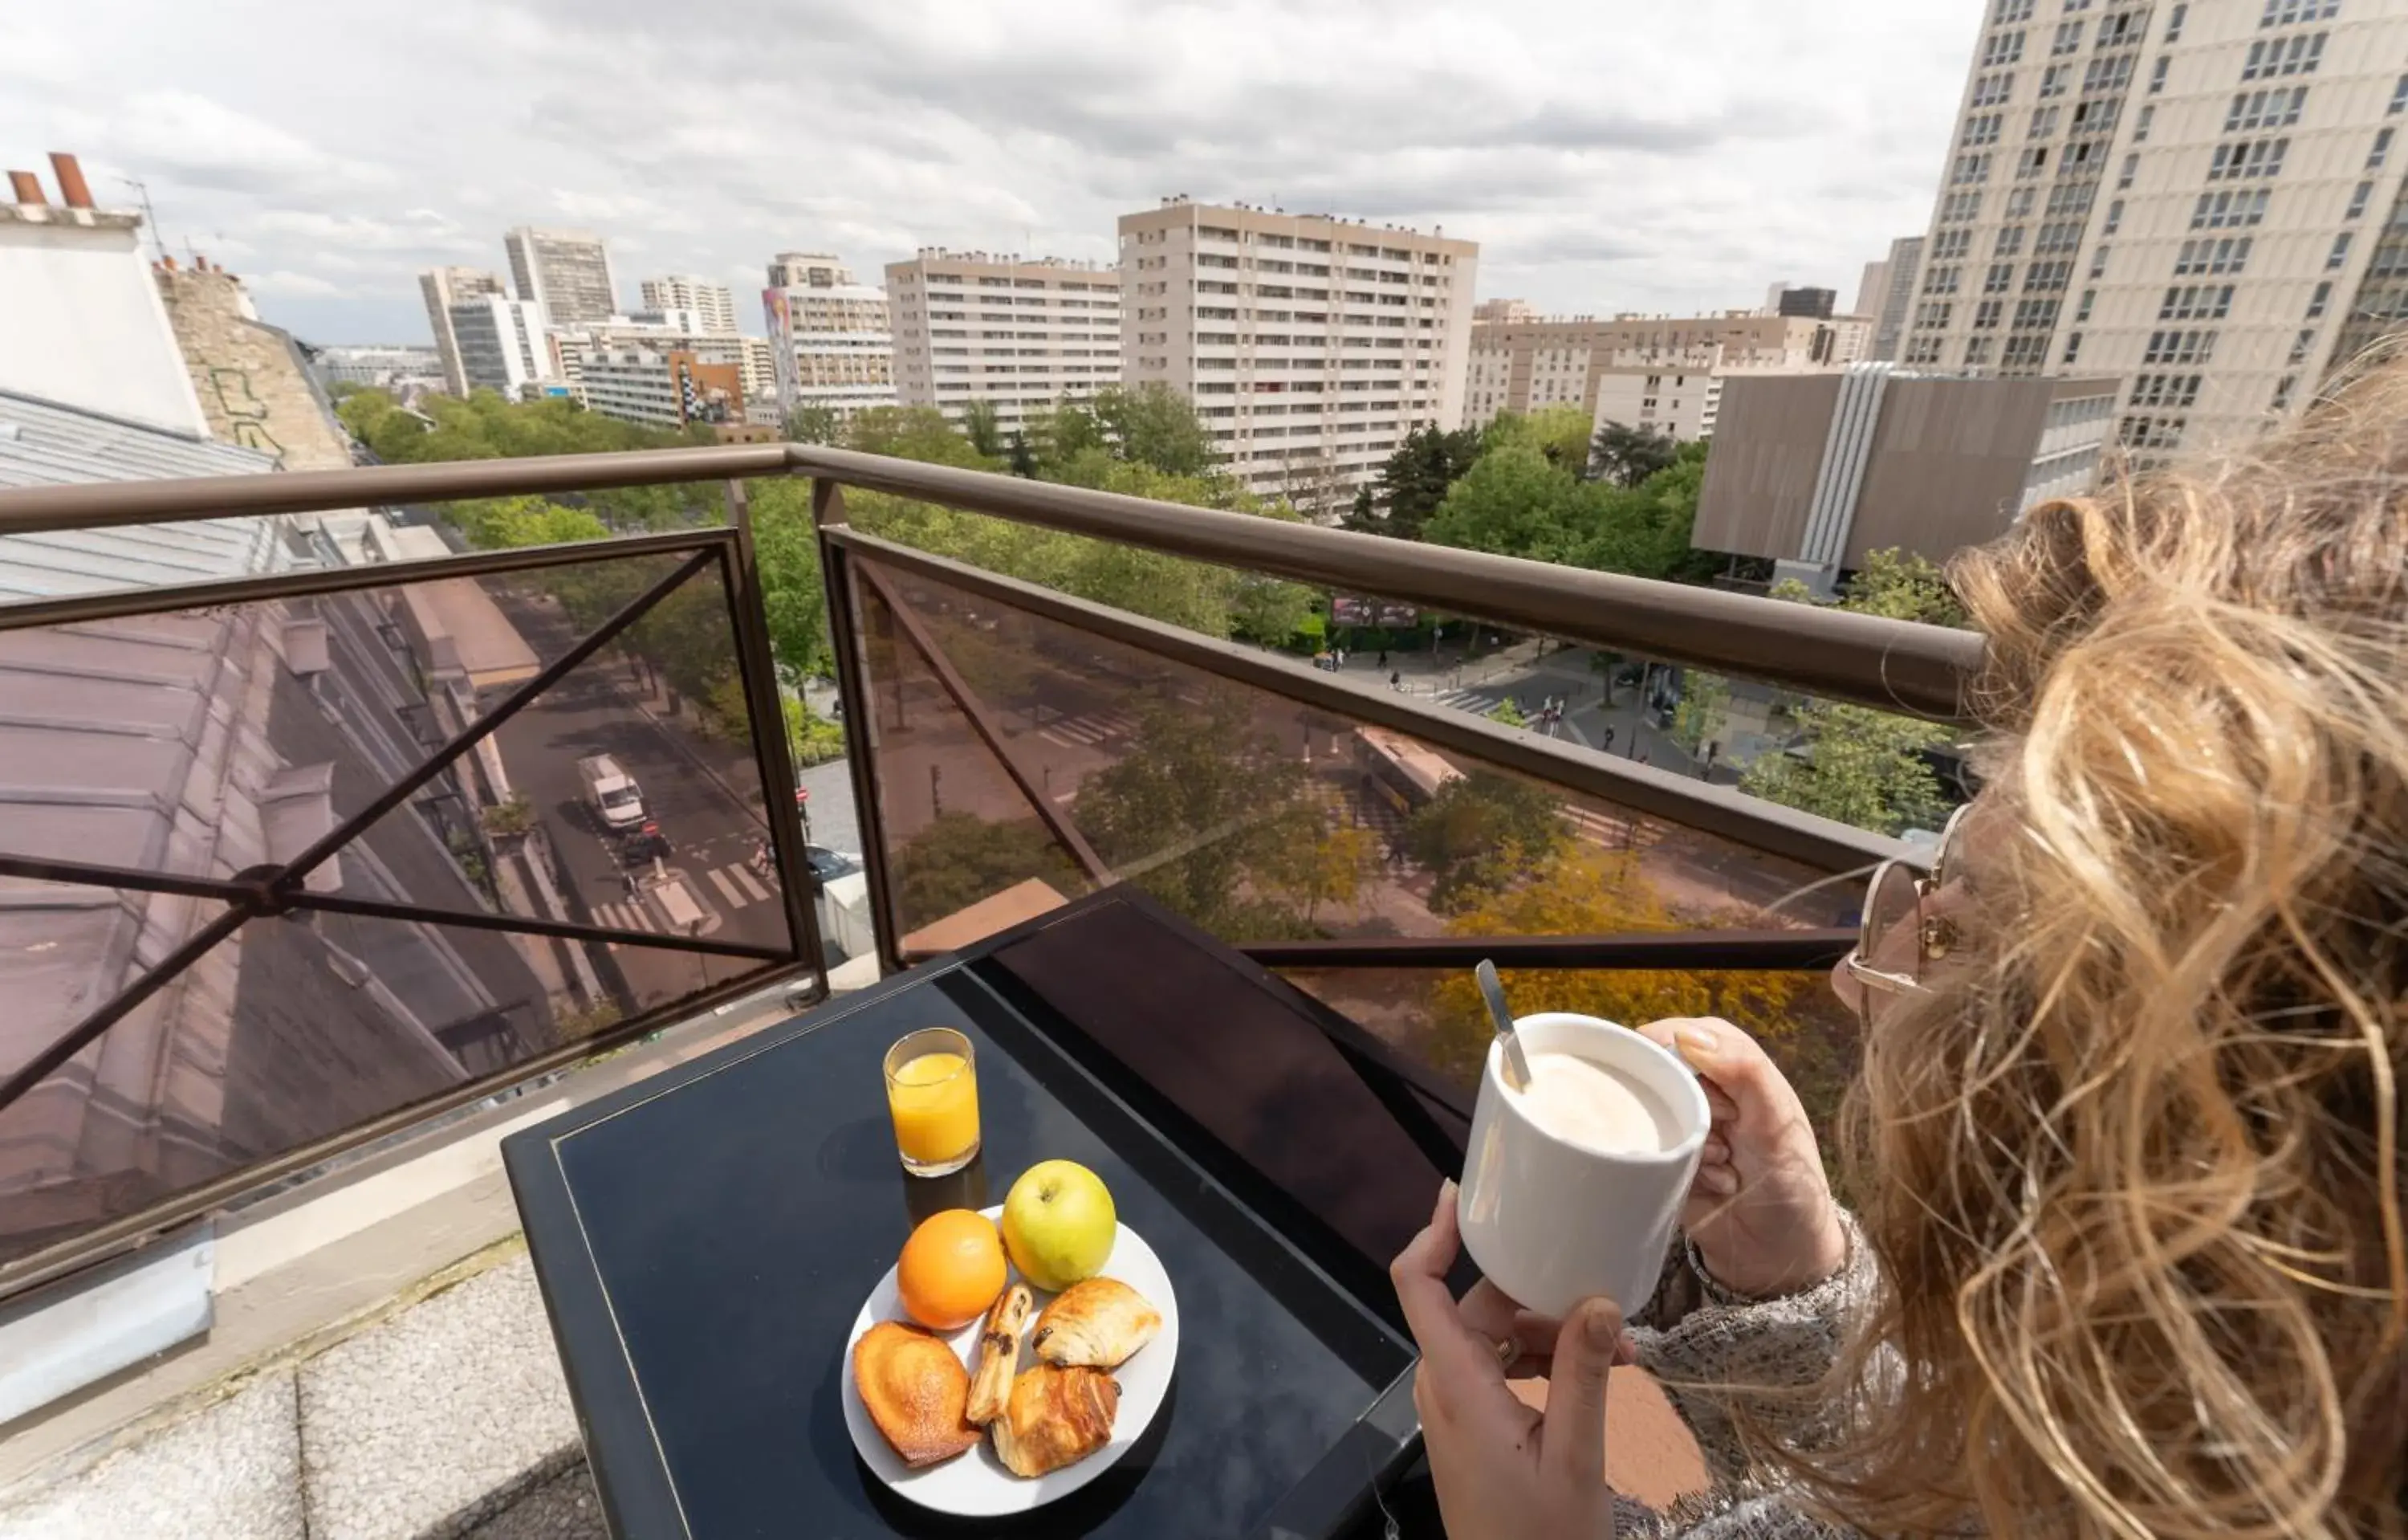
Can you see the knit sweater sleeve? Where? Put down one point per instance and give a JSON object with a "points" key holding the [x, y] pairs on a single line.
{"points": [[1715, 1352]]}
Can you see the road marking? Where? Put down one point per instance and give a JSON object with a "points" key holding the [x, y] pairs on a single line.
{"points": [[627, 916], [745, 879], [719, 878]]}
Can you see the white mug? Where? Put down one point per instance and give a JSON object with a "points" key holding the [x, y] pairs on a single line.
{"points": [[1552, 1223]]}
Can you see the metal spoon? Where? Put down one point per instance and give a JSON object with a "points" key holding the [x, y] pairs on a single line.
{"points": [[1492, 989]]}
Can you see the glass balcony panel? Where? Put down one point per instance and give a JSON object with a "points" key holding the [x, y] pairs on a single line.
{"points": [[1262, 818]]}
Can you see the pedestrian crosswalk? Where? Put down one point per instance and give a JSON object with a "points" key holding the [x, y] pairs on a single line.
{"points": [[1088, 730], [1471, 699], [738, 884], [732, 886]]}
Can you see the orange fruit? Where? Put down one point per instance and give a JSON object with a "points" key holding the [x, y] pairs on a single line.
{"points": [[951, 1269]]}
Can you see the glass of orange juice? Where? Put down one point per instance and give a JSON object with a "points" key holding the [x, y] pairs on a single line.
{"points": [[932, 1091]]}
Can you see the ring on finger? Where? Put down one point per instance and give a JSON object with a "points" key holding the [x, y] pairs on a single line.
{"points": [[1508, 1351]]}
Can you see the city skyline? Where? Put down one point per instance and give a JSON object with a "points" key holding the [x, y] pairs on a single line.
{"points": [[328, 191]]}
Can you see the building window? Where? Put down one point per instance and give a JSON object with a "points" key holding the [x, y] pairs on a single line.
{"points": [[2271, 57], [2358, 200], [2073, 347], [2098, 261], [2114, 218], [2174, 21], [2115, 31], [2107, 74], [2141, 125], [1923, 350], [1986, 314], [1980, 130], [2064, 235], [2191, 347], [2321, 298], [2152, 432], [2339, 255], [1974, 167], [2000, 279], [2165, 390], [2398, 98], [2053, 79], [2034, 315], [2158, 75], [2043, 121], [2131, 169], [2082, 311], [1956, 207], [2041, 277], [2002, 48], [1939, 280], [2007, 13], [2195, 302], [1932, 315], [2302, 345], [2247, 158], [2019, 202], [1977, 351], [2276, 107], [1990, 90], [2228, 210], [2069, 38], [2023, 353], [2011, 242], [2374, 157], [2284, 13], [2033, 161], [2212, 256]]}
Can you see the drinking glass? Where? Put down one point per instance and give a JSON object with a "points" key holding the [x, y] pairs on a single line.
{"points": [[932, 1093]]}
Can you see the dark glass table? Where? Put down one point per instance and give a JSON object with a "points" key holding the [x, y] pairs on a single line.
{"points": [[704, 1238]]}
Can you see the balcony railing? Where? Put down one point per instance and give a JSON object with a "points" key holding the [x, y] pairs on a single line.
{"points": [[290, 861]]}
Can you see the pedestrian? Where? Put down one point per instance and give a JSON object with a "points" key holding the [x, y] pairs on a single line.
{"points": [[1609, 740], [1642, 756], [1383, 657], [1396, 681], [1342, 659]]}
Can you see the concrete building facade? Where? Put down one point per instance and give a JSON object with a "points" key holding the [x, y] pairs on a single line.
{"points": [[253, 382], [1897, 297], [662, 388], [1813, 471], [379, 366], [714, 304], [1311, 345], [566, 272], [442, 288], [1020, 335], [502, 345], [831, 336], [1521, 363], [2191, 196], [81, 323]]}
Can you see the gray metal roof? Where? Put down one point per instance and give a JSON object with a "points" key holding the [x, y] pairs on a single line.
{"points": [[44, 443]]}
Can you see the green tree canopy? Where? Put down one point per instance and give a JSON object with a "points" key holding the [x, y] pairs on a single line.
{"points": [[1154, 425], [1414, 481], [1481, 832], [1561, 433], [814, 425], [1627, 456]]}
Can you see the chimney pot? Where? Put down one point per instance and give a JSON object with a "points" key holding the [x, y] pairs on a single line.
{"points": [[26, 187], [72, 190]]}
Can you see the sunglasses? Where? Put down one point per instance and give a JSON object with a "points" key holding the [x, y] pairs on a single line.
{"points": [[1894, 898]]}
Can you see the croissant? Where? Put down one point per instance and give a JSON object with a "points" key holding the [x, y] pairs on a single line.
{"points": [[915, 1389], [999, 1353], [1056, 1417], [1097, 1323]]}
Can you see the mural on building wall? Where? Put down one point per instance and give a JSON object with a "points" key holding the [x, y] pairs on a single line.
{"points": [[245, 414]]}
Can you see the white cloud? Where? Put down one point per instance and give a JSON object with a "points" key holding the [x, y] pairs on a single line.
{"points": [[1606, 156]]}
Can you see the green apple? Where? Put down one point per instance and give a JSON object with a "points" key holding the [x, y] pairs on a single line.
{"points": [[1058, 1224]]}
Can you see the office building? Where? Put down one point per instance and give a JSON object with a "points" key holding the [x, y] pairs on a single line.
{"points": [[1311, 345], [567, 272], [1018, 334], [1521, 362], [1813, 471], [660, 388], [444, 287], [502, 345], [1814, 304], [2193, 197], [669, 332], [1897, 297], [832, 335], [713, 304], [1871, 289]]}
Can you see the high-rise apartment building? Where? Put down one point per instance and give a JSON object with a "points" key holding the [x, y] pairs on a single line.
{"points": [[1311, 345], [567, 272], [444, 287], [713, 305], [1871, 289], [1018, 334], [2194, 196], [1904, 266], [833, 337], [1521, 362], [501, 343]]}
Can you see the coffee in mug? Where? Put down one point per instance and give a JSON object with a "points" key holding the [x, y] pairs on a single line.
{"points": [[1572, 1187]]}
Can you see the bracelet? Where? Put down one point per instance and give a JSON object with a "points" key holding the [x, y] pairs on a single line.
{"points": [[1718, 1292]]}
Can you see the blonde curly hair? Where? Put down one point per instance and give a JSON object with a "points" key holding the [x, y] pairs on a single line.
{"points": [[2134, 1175]]}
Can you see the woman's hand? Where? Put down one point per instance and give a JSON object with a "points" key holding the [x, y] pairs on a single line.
{"points": [[1500, 1469], [1760, 1211]]}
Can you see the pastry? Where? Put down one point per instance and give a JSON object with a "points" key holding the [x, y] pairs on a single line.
{"points": [[1056, 1416], [999, 1353], [915, 1389], [1097, 1323]]}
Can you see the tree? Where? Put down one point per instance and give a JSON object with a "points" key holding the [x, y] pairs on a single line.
{"points": [[961, 858], [1646, 531], [912, 433], [1703, 712], [793, 594], [1204, 803], [814, 425], [1414, 481], [1513, 502], [1479, 832], [1331, 869], [1856, 765], [1154, 425], [1508, 712], [1578, 890], [1561, 433], [503, 523], [984, 430], [1902, 585], [1627, 455], [1022, 458]]}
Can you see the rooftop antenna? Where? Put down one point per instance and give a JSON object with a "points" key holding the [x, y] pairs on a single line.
{"points": [[142, 196]]}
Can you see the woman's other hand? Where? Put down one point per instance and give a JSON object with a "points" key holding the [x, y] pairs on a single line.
{"points": [[1760, 1210], [1502, 1469]]}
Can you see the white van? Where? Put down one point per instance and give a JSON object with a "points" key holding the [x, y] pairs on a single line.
{"points": [[612, 791]]}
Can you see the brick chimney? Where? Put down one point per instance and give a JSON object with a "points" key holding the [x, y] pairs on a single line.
{"points": [[26, 187], [72, 189]]}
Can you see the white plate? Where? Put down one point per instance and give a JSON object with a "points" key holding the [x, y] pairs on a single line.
{"points": [[975, 1484]]}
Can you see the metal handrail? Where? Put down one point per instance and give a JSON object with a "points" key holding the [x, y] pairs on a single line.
{"points": [[1893, 664]]}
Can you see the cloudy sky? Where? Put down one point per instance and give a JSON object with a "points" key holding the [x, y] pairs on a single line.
{"points": [[1607, 154]]}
